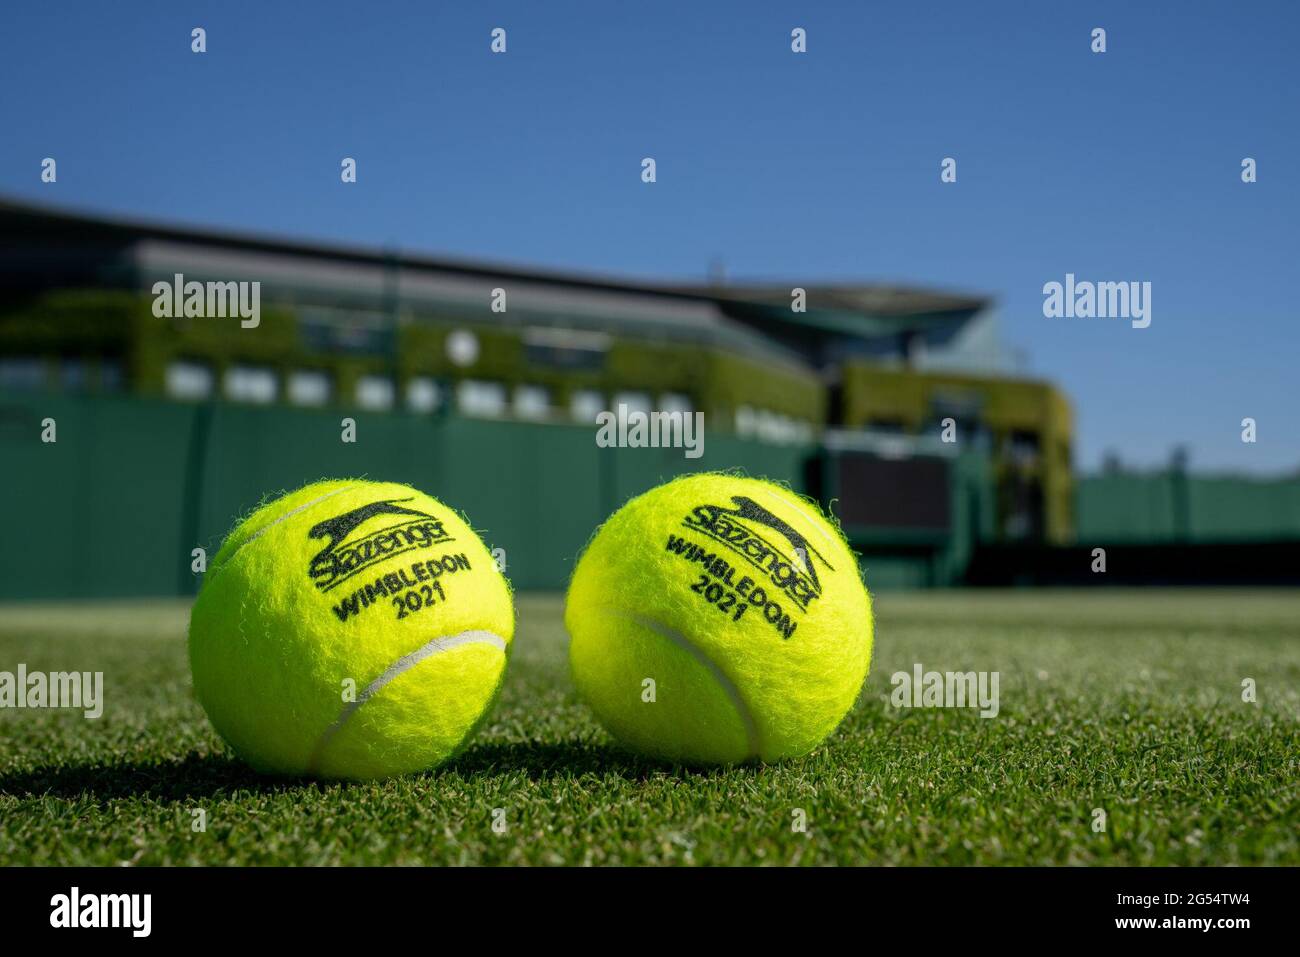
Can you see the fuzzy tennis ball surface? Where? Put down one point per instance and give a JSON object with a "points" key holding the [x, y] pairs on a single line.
{"points": [[718, 619], [350, 629]]}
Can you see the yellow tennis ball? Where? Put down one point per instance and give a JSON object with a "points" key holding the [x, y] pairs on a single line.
{"points": [[350, 629], [718, 619]]}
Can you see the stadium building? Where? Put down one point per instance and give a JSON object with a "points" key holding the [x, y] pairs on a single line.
{"points": [[899, 404]]}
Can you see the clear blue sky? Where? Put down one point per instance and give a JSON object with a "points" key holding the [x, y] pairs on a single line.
{"points": [[816, 167]]}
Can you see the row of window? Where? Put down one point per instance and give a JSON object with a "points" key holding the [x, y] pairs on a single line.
{"points": [[259, 385], [773, 427], [1021, 447], [29, 374]]}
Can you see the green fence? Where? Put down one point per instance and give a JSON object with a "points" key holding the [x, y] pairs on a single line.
{"points": [[115, 506], [1172, 506]]}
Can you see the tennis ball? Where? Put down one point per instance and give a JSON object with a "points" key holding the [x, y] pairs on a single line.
{"points": [[350, 629], [718, 619]]}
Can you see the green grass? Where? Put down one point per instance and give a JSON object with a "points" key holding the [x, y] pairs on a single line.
{"points": [[1125, 701]]}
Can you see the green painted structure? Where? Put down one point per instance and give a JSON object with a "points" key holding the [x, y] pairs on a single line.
{"points": [[1174, 506], [130, 486]]}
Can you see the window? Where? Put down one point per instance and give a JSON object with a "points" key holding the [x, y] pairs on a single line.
{"points": [[768, 426], [110, 376], [676, 402], [746, 421], [775, 427], [352, 331], [188, 381], [635, 402], [484, 399], [532, 402], [309, 387], [886, 427], [970, 432], [422, 394], [565, 348], [1023, 447], [74, 375], [375, 393], [22, 374], [245, 383], [585, 405]]}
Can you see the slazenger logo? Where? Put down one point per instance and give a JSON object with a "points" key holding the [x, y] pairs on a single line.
{"points": [[742, 530], [372, 533]]}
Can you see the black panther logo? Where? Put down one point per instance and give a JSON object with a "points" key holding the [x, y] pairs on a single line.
{"points": [[753, 512], [346, 552], [746, 530]]}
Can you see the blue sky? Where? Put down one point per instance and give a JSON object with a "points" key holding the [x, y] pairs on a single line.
{"points": [[1122, 166]]}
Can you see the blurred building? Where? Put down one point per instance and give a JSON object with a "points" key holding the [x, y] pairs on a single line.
{"points": [[892, 393]]}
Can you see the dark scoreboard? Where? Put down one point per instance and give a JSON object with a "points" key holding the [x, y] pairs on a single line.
{"points": [[875, 494]]}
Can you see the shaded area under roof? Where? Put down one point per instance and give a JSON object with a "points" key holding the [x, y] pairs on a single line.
{"points": [[49, 247]]}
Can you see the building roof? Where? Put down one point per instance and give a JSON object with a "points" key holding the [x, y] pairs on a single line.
{"points": [[48, 247], [38, 221], [29, 231]]}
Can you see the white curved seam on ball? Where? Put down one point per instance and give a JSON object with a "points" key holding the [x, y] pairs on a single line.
{"points": [[720, 676], [288, 515], [397, 668]]}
